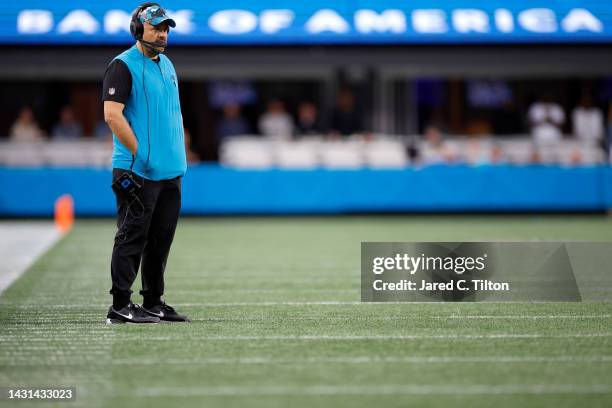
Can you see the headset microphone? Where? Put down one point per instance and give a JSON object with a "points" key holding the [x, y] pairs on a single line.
{"points": [[154, 46]]}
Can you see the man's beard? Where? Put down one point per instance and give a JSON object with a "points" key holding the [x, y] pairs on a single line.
{"points": [[153, 49]]}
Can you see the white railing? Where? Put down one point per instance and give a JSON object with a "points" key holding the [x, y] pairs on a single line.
{"points": [[64, 153], [383, 151], [378, 151]]}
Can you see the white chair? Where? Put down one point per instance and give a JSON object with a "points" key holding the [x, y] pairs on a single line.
{"points": [[342, 155], [385, 154], [247, 153], [297, 155], [23, 154], [517, 151]]}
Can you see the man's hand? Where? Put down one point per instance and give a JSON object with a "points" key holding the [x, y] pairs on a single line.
{"points": [[113, 115]]}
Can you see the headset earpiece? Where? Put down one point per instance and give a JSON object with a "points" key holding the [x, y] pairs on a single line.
{"points": [[136, 26]]}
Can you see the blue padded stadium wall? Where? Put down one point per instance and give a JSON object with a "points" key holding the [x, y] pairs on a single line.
{"points": [[212, 189]]}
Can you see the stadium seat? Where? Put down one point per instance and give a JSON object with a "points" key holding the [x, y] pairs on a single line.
{"points": [[386, 153], [247, 153], [342, 155], [297, 155]]}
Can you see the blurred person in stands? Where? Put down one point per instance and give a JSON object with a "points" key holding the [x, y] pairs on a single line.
{"points": [[480, 150], [434, 150], [25, 128], [588, 122], [609, 141], [308, 120], [345, 119], [192, 157], [232, 123], [478, 125], [546, 119], [67, 127], [276, 123], [102, 132]]}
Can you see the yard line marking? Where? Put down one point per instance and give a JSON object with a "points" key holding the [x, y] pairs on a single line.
{"points": [[213, 304], [338, 303], [24, 361], [89, 305], [33, 325], [602, 316], [95, 360], [21, 244], [396, 389], [319, 318], [138, 335], [128, 336], [413, 337], [366, 360], [313, 360]]}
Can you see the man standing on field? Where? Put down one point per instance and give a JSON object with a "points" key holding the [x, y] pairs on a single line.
{"points": [[142, 108]]}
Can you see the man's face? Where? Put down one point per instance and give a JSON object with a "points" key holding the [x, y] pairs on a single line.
{"points": [[156, 34]]}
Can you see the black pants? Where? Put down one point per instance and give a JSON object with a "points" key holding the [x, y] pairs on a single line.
{"points": [[144, 234]]}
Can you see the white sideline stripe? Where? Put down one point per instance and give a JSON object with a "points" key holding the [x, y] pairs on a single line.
{"points": [[384, 337], [365, 360], [336, 303], [96, 360], [338, 318], [21, 243], [601, 316], [342, 318], [350, 317], [221, 304], [413, 337], [305, 303], [443, 337], [396, 389]]}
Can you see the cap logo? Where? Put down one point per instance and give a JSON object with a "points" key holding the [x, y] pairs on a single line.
{"points": [[150, 13]]}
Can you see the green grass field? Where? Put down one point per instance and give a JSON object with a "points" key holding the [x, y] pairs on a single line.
{"points": [[277, 322]]}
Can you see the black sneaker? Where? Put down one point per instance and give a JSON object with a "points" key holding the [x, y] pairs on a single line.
{"points": [[166, 313], [131, 313]]}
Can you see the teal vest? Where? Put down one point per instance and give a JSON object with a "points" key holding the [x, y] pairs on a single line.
{"points": [[153, 110]]}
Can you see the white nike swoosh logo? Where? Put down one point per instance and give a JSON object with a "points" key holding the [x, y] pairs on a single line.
{"points": [[160, 314], [128, 316]]}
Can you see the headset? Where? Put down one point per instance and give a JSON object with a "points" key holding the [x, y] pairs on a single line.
{"points": [[136, 26]]}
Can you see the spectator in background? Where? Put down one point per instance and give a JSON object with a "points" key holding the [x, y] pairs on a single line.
{"points": [[588, 122], [25, 128], [546, 119], [102, 132], [232, 123], [345, 120], [276, 123], [434, 150], [480, 150], [609, 141], [68, 127], [307, 120], [192, 157]]}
